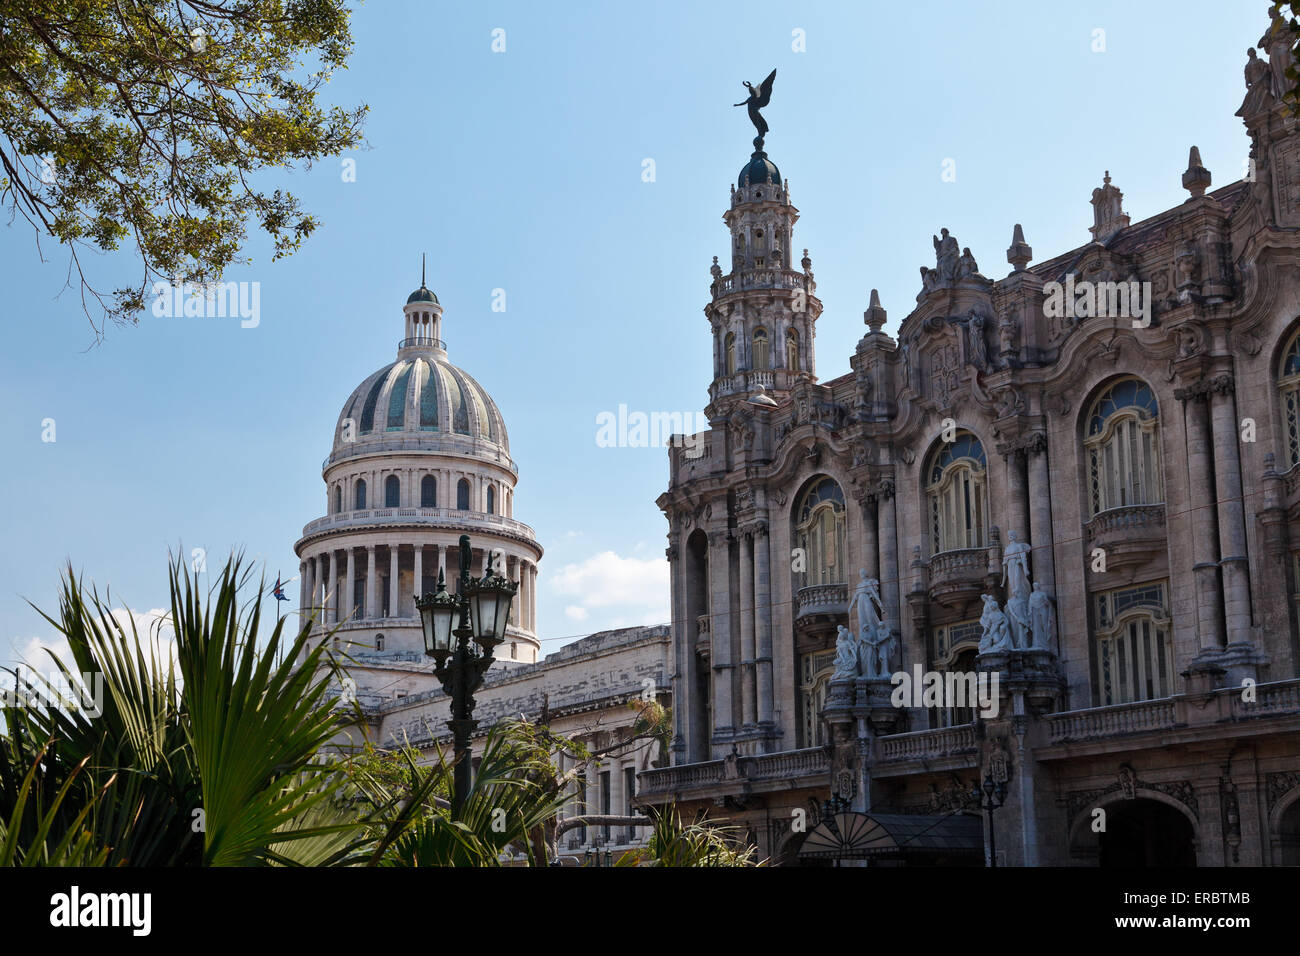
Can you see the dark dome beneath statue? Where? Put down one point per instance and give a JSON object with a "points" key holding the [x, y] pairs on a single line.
{"points": [[422, 295], [759, 171]]}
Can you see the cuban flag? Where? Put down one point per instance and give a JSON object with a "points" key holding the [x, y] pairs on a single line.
{"points": [[278, 590]]}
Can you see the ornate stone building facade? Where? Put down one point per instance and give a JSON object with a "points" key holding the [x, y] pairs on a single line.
{"points": [[1130, 409]]}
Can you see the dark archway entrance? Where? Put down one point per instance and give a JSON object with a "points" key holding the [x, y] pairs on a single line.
{"points": [[1289, 835], [1146, 833]]}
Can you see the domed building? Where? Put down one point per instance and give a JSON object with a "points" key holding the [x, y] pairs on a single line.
{"points": [[420, 456]]}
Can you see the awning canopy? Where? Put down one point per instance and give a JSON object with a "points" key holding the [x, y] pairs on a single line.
{"points": [[860, 836]]}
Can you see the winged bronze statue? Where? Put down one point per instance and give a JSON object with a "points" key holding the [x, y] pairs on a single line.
{"points": [[758, 98]]}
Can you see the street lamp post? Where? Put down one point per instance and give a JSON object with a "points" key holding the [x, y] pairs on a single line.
{"points": [[989, 798], [481, 610]]}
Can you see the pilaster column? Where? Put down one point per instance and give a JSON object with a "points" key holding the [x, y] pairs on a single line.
{"points": [[746, 601], [1017, 513], [720, 630], [616, 797], [593, 798], [1200, 498], [762, 624], [372, 609], [891, 577], [393, 591], [870, 536], [1233, 563], [350, 589], [1043, 560]]}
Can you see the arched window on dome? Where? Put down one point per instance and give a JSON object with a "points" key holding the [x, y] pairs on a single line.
{"points": [[392, 492], [1122, 441], [361, 494], [957, 492], [792, 349], [338, 498], [462, 494], [428, 492], [730, 349], [1288, 383], [762, 349], [820, 533], [491, 500]]}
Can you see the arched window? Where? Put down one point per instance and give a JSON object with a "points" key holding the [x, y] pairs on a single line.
{"points": [[1135, 652], [392, 492], [792, 349], [491, 500], [1122, 440], [338, 498], [379, 642], [819, 531], [428, 492], [1288, 383], [731, 353], [462, 495], [762, 349], [957, 490], [361, 493]]}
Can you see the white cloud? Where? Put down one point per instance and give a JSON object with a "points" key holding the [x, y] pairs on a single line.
{"points": [[633, 590], [32, 651]]}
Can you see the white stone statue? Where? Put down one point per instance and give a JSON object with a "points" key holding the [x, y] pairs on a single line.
{"points": [[1042, 618], [996, 636], [866, 598], [1015, 566], [946, 254], [846, 654]]}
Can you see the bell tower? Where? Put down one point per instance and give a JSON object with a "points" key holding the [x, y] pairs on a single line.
{"points": [[762, 313]]}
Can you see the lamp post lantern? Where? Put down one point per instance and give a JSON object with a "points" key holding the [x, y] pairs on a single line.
{"points": [[988, 798], [453, 624]]}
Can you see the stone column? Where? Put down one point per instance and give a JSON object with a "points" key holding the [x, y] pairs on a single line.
{"points": [[593, 797], [331, 589], [870, 537], [350, 588], [521, 596], [532, 597], [681, 631], [417, 588], [762, 624], [394, 610], [891, 576], [616, 797], [1232, 521], [1017, 518], [305, 587], [747, 628], [1200, 494], [720, 631], [372, 610], [1042, 560]]}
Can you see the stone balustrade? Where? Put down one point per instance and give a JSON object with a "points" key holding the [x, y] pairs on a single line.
{"points": [[928, 744], [822, 599], [469, 520], [1095, 723], [785, 765]]}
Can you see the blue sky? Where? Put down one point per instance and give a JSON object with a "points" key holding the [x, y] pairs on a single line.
{"points": [[522, 171]]}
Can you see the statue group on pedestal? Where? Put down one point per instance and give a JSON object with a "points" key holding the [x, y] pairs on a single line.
{"points": [[1028, 622], [870, 650]]}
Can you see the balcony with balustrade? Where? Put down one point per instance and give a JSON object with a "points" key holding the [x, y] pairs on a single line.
{"points": [[958, 576], [820, 604], [1130, 535]]}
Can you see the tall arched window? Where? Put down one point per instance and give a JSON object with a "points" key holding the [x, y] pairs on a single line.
{"points": [[392, 492], [730, 345], [792, 349], [819, 531], [491, 500], [1135, 651], [428, 492], [338, 498], [1122, 440], [957, 490], [1288, 383], [762, 349], [462, 495], [361, 493]]}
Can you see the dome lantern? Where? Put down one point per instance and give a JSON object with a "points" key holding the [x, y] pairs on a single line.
{"points": [[423, 315]]}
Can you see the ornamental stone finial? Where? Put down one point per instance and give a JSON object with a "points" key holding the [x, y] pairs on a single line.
{"points": [[875, 314], [1196, 179], [1021, 253]]}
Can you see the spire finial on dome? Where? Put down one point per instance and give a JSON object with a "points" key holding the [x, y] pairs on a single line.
{"points": [[422, 285]]}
